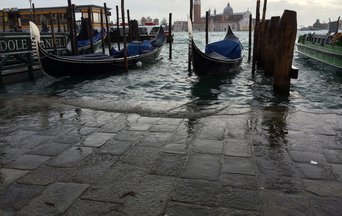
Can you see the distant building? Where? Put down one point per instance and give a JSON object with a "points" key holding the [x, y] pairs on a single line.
{"points": [[180, 26], [220, 21]]}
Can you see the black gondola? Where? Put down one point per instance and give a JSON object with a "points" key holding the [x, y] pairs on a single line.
{"points": [[217, 63], [92, 64]]}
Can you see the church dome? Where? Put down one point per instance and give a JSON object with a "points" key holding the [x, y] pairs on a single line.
{"points": [[228, 10]]}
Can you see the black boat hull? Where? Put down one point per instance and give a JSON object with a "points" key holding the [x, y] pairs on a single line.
{"points": [[97, 63], [56, 66], [205, 65]]}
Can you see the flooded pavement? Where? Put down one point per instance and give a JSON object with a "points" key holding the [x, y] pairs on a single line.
{"points": [[84, 156]]}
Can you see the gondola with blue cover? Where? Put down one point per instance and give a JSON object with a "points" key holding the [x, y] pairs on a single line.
{"points": [[94, 63], [219, 58]]}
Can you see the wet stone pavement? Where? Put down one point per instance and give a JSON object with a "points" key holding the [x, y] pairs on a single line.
{"points": [[59, 158]]}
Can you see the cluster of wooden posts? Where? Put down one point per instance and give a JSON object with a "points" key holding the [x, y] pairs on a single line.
{"points": [[274, 41]]}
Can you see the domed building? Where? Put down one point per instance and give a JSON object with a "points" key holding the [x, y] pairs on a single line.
{"points": [[220, 22], [228, 10]]}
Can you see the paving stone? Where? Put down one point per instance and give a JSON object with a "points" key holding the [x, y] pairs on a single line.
{"points": [[283, 204], [56, 130], [238, 148], [154, 140], [115, 147], [71, 157], [212, 133], [117, 185], [337, 169], [32, 142], [236, 212], [330, 206], [113, 127], [169, 121], [97, 139], [333, 156], [130, 136], [10, 175], [56, 199], [175, 148], [16, 137], [9, 155], [151, 197], [276, 167], [139, 127], [289, 185], [195, 191], [239, 181], [49, 149], [202, 166], [239, 199], [168, 164], [324, 188], [238, 165], [89, 207], [28, 162], [164, 127], [320, 172], [141, 156], [148, 120], [16, 196], [88, 171], [307, 157], [181, 209], [208, 147]]}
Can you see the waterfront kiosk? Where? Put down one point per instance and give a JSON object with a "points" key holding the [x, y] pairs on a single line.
{"points": [[15, 43], [16, 20]]}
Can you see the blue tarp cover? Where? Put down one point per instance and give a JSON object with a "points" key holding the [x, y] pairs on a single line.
{"points": [[227, 48], [133, 48]]}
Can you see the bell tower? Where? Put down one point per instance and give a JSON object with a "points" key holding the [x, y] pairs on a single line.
{"points": [[197, 11]]}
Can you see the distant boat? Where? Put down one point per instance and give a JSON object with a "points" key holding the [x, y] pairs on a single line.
{"points": [[325, 48], [96, 63], [219, 57]]}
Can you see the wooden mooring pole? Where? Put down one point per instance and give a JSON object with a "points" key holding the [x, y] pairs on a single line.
{"points": [[271, 46], [101, 30], [70, 26], [189, 50], [287, 29], [107, 27], [206, 27], [58, 22], [90, 30], [255, 42], [250, 38], [53, 34], [34, 13], [170, 36], [74, 27], [118, 27], [124, 34], [3, 21]]}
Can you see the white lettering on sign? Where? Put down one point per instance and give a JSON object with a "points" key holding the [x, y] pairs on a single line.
{"points": [[13, 45]]}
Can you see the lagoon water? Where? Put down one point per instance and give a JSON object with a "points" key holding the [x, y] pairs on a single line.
{"points": [[318, 86]]}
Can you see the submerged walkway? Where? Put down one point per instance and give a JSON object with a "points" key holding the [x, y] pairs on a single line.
{"points": [[71, 158]]}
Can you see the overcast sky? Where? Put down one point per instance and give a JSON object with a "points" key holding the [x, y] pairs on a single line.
{"points": [[307, 10]]}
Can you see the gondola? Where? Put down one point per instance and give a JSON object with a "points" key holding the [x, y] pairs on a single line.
{"points": [[83, 40], [220, 57], [95, 63], [84, 46]]}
